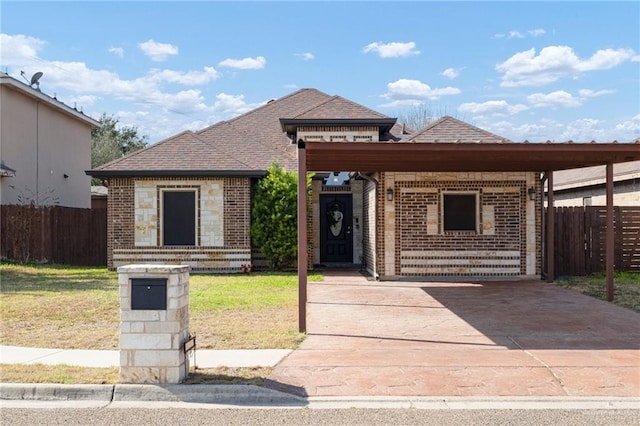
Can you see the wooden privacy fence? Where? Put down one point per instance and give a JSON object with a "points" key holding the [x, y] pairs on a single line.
{"points": [[63, 235], [580, 240]]}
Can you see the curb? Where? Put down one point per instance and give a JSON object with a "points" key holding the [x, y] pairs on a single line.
{"points": [[212, 394], [55, 392], [255, 396]]}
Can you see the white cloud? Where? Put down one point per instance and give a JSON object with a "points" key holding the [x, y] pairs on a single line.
{"points": [[158, 52], [500, 107], [605, 59], [553, 100], [514, 34], [118, 51], [245, 64], [17, 48], [588, 93], [189, 78], [563, 99], [406, 92], [451, 73], [392, 50], [554, 62], [630, 129], [307, 56], [518, 34]]}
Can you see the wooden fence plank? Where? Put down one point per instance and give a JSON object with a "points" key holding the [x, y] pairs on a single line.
{"points": [[580, 240], [56, 234]]}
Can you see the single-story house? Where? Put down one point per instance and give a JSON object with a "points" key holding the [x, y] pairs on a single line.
{"points": [[586, 186], [449, 200]]}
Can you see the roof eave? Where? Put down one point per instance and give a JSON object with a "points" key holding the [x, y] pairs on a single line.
{"points": [[174, 173], [290, 125], [52, 102]]}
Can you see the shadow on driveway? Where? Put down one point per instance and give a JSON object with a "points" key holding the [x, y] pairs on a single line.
{"points": [[460, 339]]}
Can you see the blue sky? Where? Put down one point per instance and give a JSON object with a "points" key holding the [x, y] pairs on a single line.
{"points": [[536, 71]]}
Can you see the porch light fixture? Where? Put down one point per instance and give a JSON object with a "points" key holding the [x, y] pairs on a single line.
{"points": [[390, 194], [532, 193]]}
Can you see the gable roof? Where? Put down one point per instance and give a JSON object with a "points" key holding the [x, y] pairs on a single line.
{"points": [[245, 145], [451, 130], [339, 107], [589, 176], [184, 153]]}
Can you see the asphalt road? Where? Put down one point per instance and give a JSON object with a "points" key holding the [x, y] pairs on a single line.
{"points": [[305, 416]]}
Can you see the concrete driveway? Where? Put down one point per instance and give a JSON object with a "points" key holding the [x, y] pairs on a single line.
{"points": [[368, 338]]}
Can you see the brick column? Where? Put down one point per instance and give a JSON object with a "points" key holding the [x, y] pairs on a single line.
{"points": [[152, 337]]}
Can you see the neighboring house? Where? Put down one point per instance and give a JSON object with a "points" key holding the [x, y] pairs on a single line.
{"points": [[187, 199], [45, 148], [450, 200], [587, 186]]}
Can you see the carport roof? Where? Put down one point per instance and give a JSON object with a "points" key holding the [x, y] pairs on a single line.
{"points": [[407, 156]]}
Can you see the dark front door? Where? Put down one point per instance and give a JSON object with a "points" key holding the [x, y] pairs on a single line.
{"points": [[336, 236]]}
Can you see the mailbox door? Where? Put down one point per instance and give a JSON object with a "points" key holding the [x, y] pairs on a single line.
{"points": [[149, 294]]}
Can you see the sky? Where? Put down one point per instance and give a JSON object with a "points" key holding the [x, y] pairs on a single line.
{"points": [[531, 71]]}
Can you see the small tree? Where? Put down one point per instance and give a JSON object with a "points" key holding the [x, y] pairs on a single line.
{"points": [[419, 116], [110, 142], [275, 217]]}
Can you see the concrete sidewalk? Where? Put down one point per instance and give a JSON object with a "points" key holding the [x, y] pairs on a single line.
{"points": [[205, 358]]}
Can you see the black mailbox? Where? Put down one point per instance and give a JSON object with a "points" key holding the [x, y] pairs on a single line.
{"points": [[149, 294]]}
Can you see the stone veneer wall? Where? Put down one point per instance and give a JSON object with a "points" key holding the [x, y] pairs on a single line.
{"points": [[413, 243], [223, 241], [369, 227], [151, 341]]}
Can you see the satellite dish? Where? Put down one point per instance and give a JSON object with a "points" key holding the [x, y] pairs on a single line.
{"points": [[35, 79]]}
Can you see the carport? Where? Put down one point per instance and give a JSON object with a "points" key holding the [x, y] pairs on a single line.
{"points": [[544, 158]]}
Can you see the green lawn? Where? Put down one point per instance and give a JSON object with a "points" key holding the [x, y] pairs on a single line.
{"points": [[78, 308], [626, 288]]}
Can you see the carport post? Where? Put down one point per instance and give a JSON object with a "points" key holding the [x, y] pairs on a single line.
{"points": [[550, 228], [609, 240], [302, 237]]}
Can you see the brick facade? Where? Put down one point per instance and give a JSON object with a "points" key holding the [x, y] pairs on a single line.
{"points": [[413, 242], [222, 224]]}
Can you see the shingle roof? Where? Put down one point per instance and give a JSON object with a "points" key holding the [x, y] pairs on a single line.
{"points": [[451, 130], [566, 179], [184, 151], [250, 142], [339, 107]]}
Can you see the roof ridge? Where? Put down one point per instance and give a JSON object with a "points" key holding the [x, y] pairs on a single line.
{"points": [[362, 106], [146, 148], [261, 107], [221, 148], [316, 106], [446, 118]]}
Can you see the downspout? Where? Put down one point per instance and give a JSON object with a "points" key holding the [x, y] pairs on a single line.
{"points": [[375, 215]]}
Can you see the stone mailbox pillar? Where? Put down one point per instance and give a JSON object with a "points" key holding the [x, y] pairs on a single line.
{"points": [[154, 323]]}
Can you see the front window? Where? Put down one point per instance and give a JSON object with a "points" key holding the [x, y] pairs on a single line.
{"points": [[179, 218], [459, 211]]}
